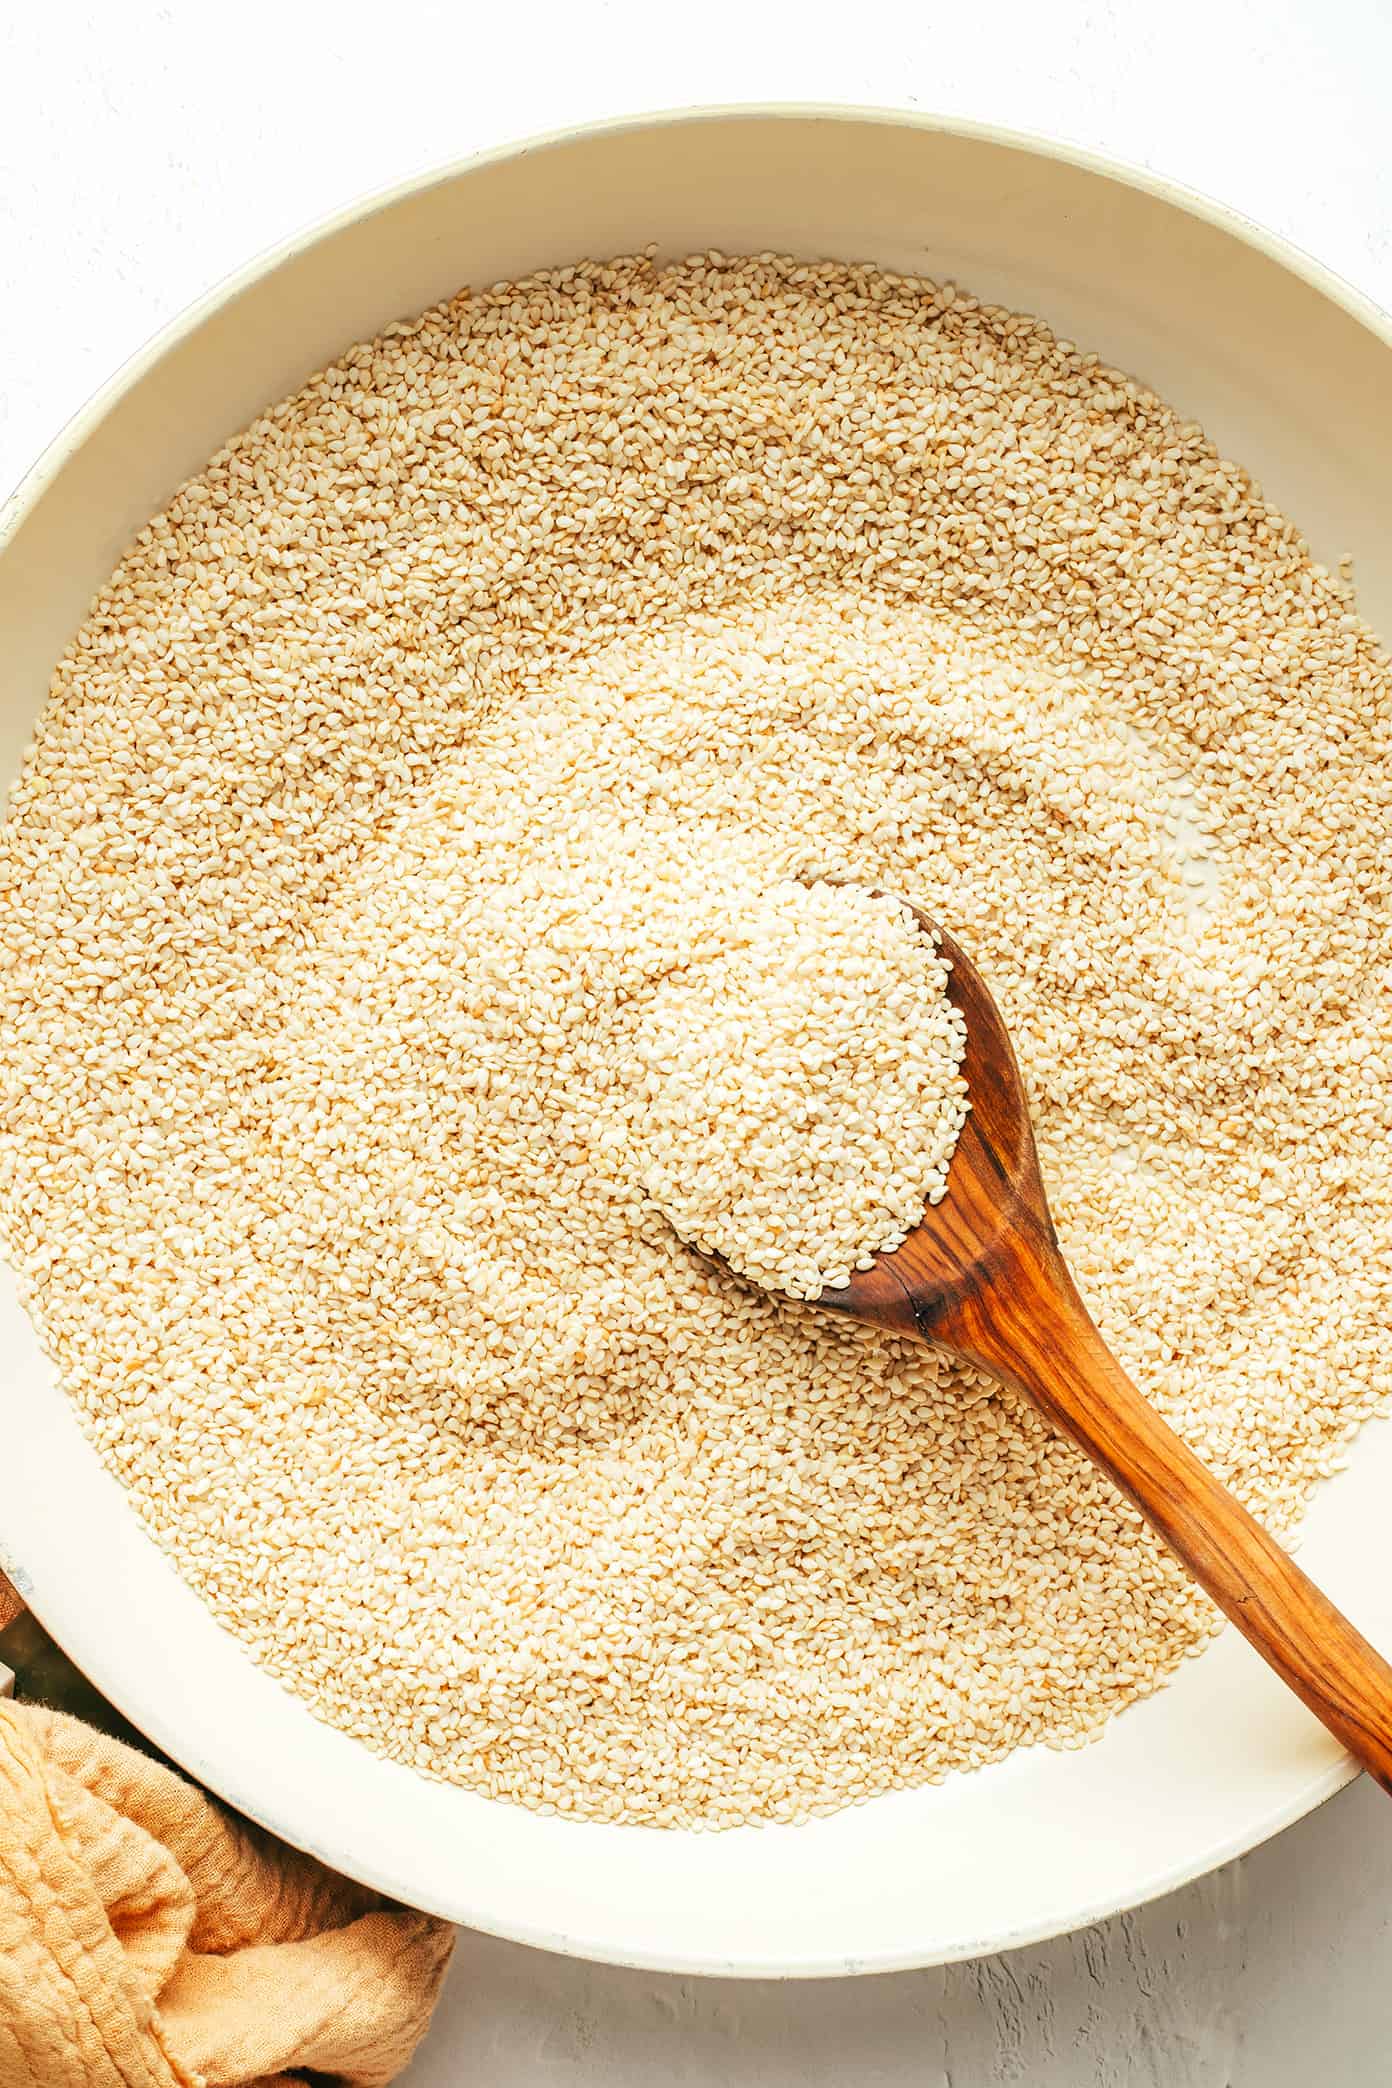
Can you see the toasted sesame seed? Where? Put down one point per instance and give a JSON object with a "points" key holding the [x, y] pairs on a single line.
{"points": [[429, 788]]}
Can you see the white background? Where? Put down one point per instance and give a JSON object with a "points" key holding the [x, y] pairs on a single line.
{"points": [[144, 152]]}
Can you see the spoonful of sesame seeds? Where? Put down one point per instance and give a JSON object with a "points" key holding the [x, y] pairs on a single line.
{"points": [[980, 1274]]}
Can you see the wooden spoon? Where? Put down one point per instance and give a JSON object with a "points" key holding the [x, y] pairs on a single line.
{"points": [[983, 1277]]}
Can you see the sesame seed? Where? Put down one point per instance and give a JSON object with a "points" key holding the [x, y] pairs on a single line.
{"points": [[415, 925]]}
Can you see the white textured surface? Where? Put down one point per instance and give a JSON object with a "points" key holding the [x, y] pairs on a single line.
{"points": [[144, 151]]}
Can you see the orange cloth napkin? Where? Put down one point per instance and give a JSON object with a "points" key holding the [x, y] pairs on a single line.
{"points": [[149, 1938]]}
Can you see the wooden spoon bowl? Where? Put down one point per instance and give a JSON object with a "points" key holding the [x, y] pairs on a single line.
{"points": [[982, 1277]]}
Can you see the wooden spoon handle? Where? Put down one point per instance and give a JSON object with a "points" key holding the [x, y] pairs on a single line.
{"points": [[1052, 1351]]}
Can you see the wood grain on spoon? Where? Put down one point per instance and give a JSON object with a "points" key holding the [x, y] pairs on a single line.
{"points": [[982, 1276]]}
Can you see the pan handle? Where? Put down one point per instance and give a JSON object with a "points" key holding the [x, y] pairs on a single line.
{"points": [[35, 1670]]}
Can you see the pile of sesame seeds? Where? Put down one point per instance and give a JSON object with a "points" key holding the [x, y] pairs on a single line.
{"points": [[364, 758], [792, 1099]]}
